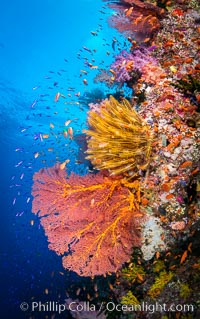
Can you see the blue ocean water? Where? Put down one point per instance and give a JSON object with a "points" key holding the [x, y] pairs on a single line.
{"points": [[41, 53]]}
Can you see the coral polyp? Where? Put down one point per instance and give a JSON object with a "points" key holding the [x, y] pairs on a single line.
{"points": [[118, 139]]}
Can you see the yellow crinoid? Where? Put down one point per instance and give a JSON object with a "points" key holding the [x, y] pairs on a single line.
{"points": [[118, 139]]}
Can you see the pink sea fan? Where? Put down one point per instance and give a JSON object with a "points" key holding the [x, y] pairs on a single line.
{"points": [[91, 220], [142, 21]]}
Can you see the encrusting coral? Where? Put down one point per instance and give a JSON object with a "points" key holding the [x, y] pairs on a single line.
{"points": [[118, 138], [133, 272], [130, 299], [160, 282]]}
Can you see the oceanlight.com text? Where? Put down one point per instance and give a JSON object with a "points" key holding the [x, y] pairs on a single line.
{"points": [[151, 308], [53, 306]]}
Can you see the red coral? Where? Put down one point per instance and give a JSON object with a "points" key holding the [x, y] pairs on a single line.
{"points": [[92, 220]]}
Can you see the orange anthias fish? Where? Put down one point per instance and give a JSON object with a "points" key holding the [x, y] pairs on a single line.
{"points": [[138, 19], [45, 135], [128, 11], [184, 256], [62, 165], [67, 122], [65, 133], [36, 155], [146, 40], [70, 132], [186, 164], [57, 97], [129, 65], [94, 67]]}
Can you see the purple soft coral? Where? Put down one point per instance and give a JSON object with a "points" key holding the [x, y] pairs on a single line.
{"points": [[125, 63]]}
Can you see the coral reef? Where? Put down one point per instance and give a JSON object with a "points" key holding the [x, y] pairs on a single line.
{"points": [[170, 195], [146, 194]]}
